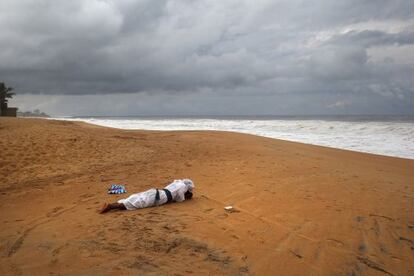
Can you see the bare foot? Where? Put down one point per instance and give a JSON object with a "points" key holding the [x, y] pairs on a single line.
{"points": [[105, 208]]}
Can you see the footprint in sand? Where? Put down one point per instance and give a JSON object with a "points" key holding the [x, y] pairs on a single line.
{"points": [[57, 250], [335, 242], [54, 212], [222, 216]]}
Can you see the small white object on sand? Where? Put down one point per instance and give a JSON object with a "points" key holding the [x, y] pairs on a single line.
{"points": [[229, 208]]}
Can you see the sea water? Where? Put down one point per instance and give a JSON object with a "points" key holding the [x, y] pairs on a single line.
{"points": [[385, 135]]}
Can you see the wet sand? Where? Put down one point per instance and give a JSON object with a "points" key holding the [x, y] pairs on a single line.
{"points": [[300, 209]]}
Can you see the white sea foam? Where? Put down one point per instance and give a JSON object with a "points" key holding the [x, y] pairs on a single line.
{"points": [[392, 138]]}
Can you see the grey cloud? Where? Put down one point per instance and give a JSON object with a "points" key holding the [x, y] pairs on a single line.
{"points": [[291, 53], [371, 38]]}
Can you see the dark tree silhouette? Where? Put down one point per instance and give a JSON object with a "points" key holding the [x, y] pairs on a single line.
{"points": [[5, 93]]}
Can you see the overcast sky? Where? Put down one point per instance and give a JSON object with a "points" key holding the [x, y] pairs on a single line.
{"points": [[160, 57]]}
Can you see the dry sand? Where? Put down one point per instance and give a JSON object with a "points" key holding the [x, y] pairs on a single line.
{"points": [[301, 209]]}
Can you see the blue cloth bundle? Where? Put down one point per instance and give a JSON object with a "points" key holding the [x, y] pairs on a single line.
{"points": [[117, 189]]}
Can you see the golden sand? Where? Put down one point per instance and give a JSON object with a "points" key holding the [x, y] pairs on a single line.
{"points": [[300, 209]]}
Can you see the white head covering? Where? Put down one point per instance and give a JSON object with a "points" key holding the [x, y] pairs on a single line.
{"points": [[189, 183]]}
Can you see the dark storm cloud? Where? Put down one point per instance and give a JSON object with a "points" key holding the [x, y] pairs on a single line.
{"points": [[292, 52]]}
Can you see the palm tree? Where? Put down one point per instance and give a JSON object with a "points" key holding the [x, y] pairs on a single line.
{"points": [[5, 93]]}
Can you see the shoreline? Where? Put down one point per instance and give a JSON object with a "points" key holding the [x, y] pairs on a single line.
{"points": [[301, 208], [231, 131]]}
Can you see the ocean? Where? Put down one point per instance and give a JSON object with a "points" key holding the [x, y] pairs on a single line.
{"points": [[384, 135]]}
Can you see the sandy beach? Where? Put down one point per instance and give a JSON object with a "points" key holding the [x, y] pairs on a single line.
{"points": [[300, 209]]}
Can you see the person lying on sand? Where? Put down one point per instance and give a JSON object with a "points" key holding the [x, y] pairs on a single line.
{"points": [[178, 191]]}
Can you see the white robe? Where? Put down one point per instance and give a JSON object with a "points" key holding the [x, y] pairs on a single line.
{"points": [[147, 199]]}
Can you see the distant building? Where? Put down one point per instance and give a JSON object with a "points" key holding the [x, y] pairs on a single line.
{"points": [[8, 111]]}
